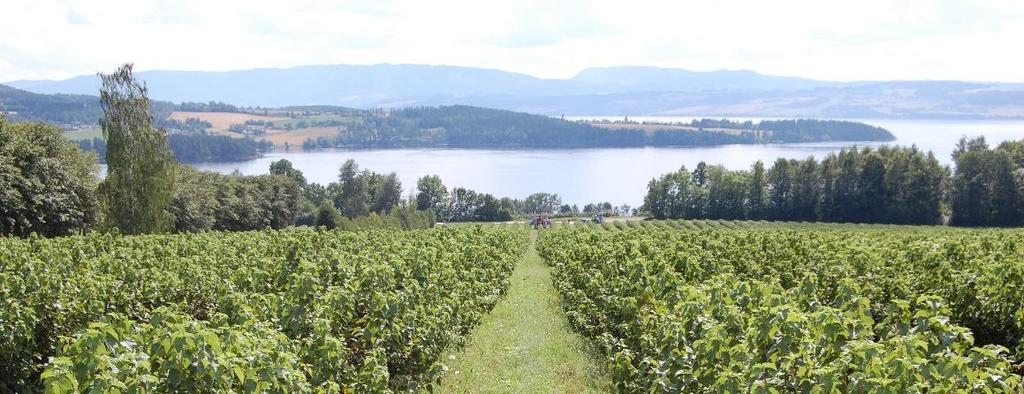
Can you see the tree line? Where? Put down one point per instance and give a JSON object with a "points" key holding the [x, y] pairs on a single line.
{"points": [[886, 185], [460, 204], [62, 109], [988, 186], [797, 130], [196, 148], [212, 106], [466, 126]]}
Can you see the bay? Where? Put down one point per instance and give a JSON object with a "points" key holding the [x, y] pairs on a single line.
{"points": [[616, 175]]}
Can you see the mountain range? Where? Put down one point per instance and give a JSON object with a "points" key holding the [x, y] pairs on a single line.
{"points": [[607, 91]]}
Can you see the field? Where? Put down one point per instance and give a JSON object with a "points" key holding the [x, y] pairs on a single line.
{"points": [[222, 120], [296, 137], [628, 305], [847, 308], [84, 134], [650, 128], [283, 311], [294, 122]]}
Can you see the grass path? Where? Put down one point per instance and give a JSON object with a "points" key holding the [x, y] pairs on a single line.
{"points": [[525, 344]]}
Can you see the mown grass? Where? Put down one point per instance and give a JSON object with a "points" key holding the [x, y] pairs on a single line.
{"points": [[525, 344], [84, 134]]}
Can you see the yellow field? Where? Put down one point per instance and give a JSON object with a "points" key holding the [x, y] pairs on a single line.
{"points": [[222, 120], [649, 128], [296, 137]]}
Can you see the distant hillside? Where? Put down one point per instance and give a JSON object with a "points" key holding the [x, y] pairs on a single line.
{"points": [[349, 85], [596, 91], [653, 79], [767, 131], [62, 108], [330, 126], [472, 127]]}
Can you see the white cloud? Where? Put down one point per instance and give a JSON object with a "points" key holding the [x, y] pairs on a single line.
{"points": [[872, 39]]}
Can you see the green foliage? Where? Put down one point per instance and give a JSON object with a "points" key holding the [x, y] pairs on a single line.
{"points": [[298, 310], [139, 186], [431, 193], [387, 193], [884, 185], [354, 199], [212, 106], [465, 205], [786, 311], [55, 108], [197, 148], [986, 189], [327, 216], [171, 352], [466, 126], [540, 203], [74, 110], [206, 200], [813, 130], [47, 185], [284, 167]]}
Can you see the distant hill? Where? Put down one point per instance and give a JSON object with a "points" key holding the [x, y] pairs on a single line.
{"points": [[629, 90], [473, 127], [628, 79], [54, 108], [61, 109], [394, 84], [329, 126], [349, 85]]}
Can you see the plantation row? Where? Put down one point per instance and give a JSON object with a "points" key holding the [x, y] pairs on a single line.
{"points": [[797, 311], [616, 224], [270, 311]]}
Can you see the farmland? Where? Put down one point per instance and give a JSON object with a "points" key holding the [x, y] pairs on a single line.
{"points": [[679, 305], [296, 137], [286, 311], [652, 127], [848, 308], [277, 128], [221, 121]]}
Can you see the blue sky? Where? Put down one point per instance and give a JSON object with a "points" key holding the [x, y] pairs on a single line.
{"points": [[836, 40]]}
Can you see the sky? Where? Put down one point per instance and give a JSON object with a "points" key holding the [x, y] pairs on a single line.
{"points": [[978, 40]]}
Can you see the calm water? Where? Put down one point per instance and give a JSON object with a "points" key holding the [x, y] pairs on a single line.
{"points": [[618, 175]]}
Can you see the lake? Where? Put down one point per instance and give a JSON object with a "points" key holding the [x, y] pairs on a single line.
{"points": [[617, 175]]}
